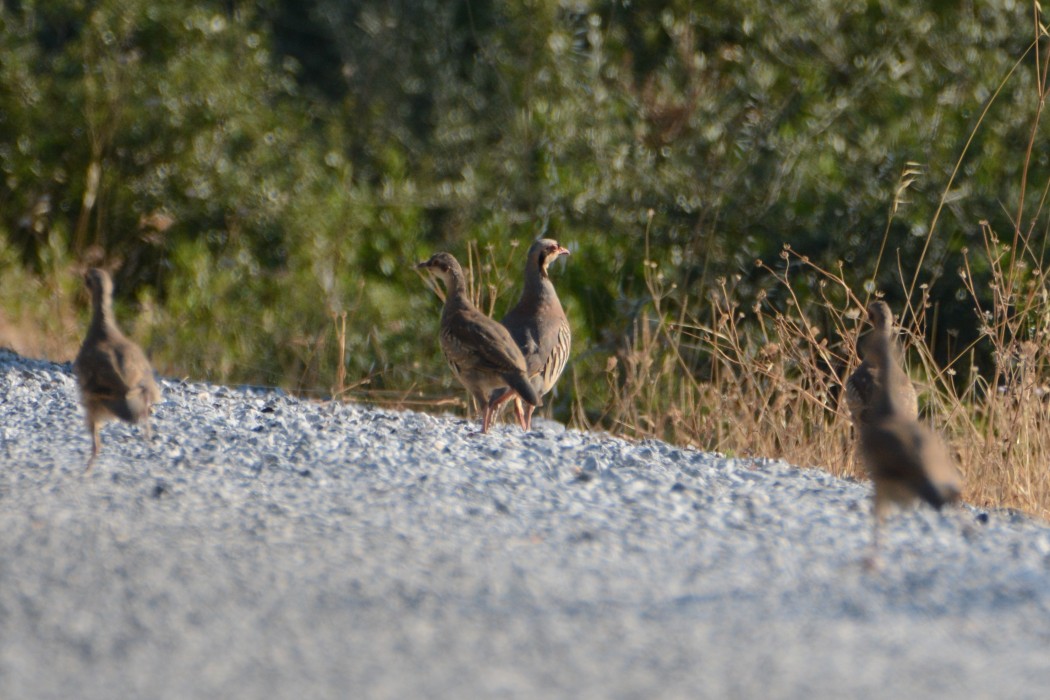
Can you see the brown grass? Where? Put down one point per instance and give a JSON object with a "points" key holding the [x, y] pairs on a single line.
{"points": [[40, 316], [773, 380]]}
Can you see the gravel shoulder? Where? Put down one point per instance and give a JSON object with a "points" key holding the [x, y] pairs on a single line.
{"points": [[264, 546]]}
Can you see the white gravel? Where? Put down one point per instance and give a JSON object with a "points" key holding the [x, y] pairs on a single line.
{"points": [[266, 547]]}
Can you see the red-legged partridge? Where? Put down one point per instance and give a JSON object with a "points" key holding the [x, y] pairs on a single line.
{"points": [[539, 326], [482, 354]]}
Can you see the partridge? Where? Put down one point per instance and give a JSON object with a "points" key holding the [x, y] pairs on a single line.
{"points": [[115, 378], [482, 354], [862, 384], [539, 326], [906, 460]]}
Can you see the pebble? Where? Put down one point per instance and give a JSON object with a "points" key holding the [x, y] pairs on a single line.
{"points": [[261, 545]]}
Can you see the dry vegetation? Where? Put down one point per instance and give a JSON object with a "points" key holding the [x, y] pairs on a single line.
{"points": [[774, 376]]}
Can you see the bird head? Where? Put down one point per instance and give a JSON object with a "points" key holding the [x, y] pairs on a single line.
{"points": [[98, 283], [880, 316], [543, 252], [443, 266]]}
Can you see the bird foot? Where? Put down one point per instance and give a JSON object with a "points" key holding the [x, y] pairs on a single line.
{"points": [[484, 430]]}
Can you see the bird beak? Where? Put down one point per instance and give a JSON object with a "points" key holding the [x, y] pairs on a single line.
{"points": [[422, 265], [563, 251]]}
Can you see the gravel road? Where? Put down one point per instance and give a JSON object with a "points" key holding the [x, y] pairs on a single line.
{"points": [[267, 547]]}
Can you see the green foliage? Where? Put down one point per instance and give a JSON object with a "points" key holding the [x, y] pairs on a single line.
{"points": [[257, 168]]}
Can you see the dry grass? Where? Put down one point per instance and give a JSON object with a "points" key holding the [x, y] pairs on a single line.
{"points": [[41, 317], [773, 374], [773, 382]]}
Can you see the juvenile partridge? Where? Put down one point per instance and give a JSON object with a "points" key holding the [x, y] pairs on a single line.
{"points": [[115, 378], [482, 354], [539, 326]]}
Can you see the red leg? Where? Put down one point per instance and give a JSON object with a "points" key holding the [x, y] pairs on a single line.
{"points": [[520, 415], [506, 396]]}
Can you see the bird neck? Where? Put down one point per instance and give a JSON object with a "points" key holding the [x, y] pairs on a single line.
{"points": [[456, 294], [538, 285], [102, 311], [885, 358], [885, 330], [456, 283]]}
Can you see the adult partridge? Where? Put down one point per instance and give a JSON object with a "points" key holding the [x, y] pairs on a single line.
{"points": [[482, 354], [906, 460], [861, 385], [539, 326], [115, 378]]}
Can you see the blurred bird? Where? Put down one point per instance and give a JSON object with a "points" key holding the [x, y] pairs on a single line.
{"points": [[482, 354], [116, 380], [906, 460], [861, 385], [539, 326]]}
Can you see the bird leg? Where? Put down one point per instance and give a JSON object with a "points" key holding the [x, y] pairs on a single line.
{"points": [[872, 562], [524, 420], [507, 395], [523, 411], [96, 444], [486, 416]]}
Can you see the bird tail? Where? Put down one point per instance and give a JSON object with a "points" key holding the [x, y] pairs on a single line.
{"points": [[120, 408], [134, 406], [937, 494], [521, 384]]}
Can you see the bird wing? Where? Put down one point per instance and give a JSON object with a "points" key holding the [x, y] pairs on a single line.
{"points": [[99, 372], [136, 369], [905, 452], [474, 340], [544, 336], [555, 352], [114, 373], [859, 388]]}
